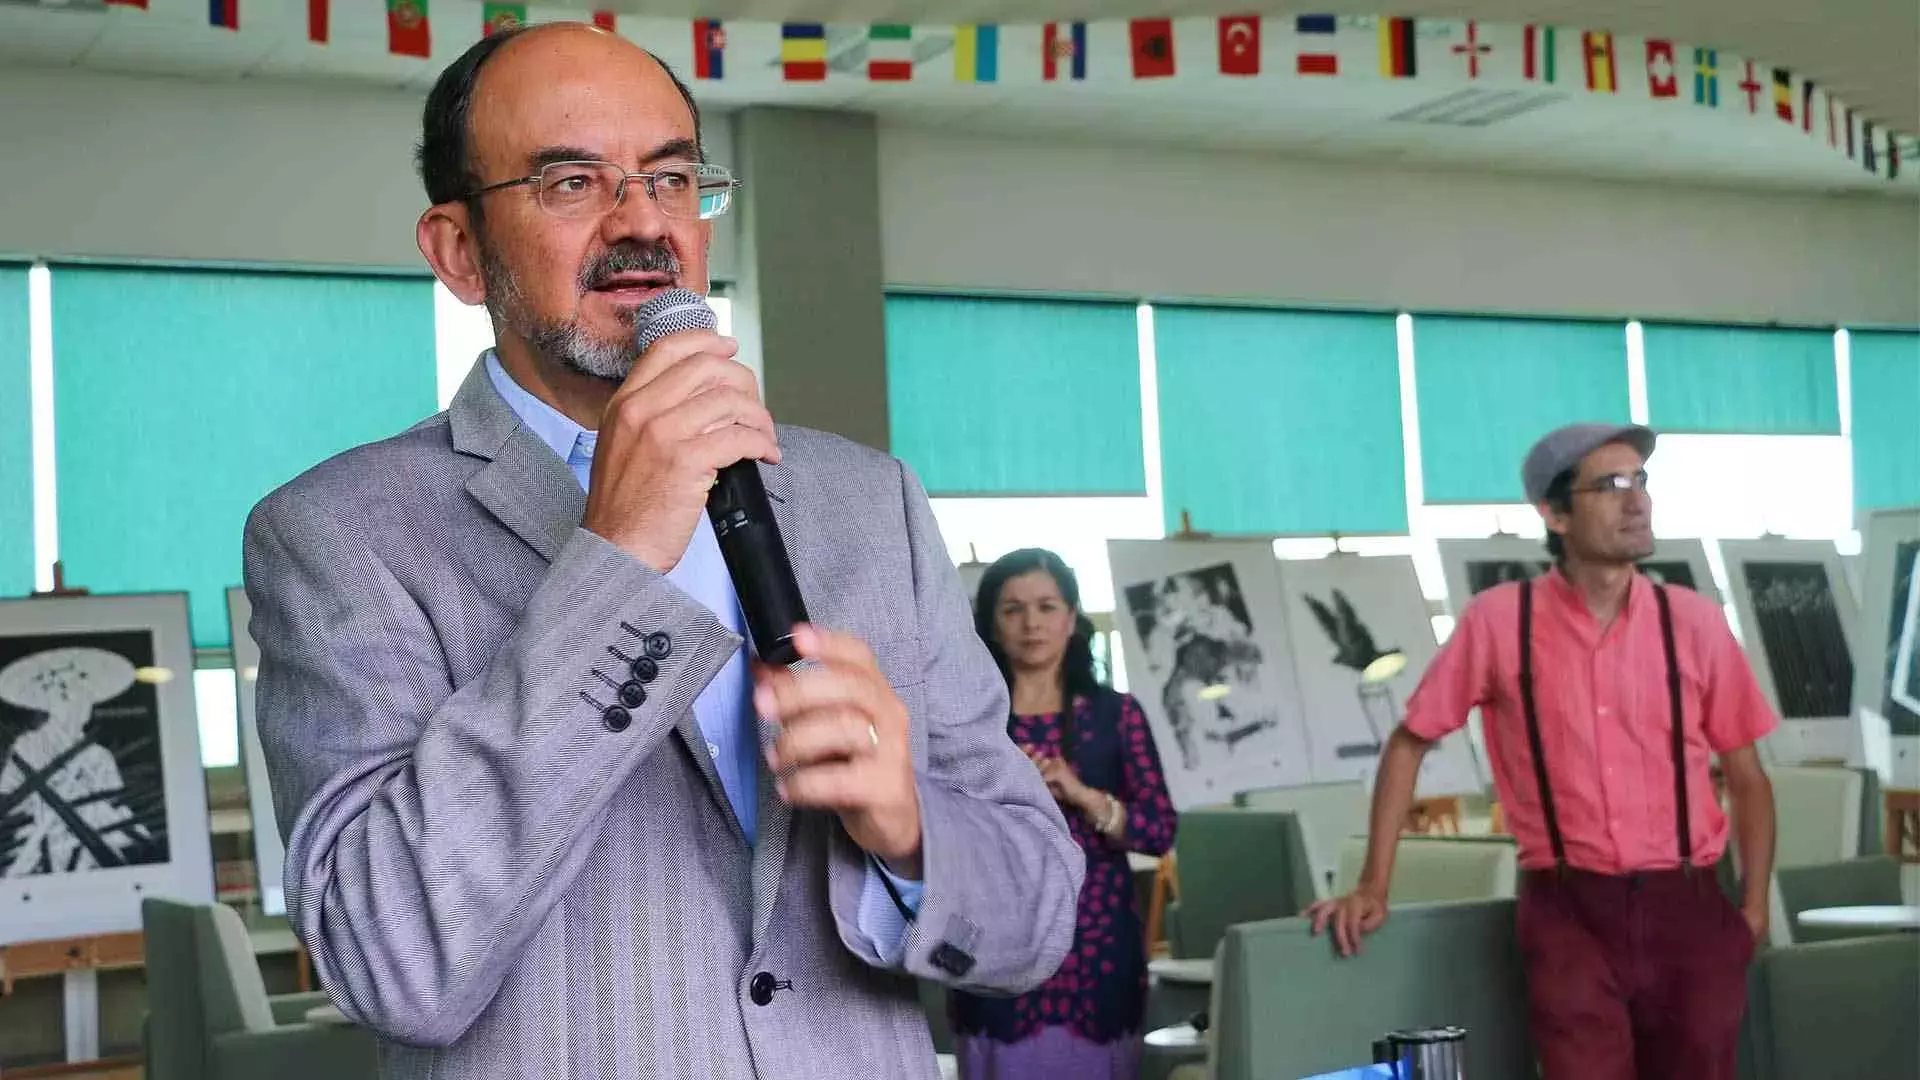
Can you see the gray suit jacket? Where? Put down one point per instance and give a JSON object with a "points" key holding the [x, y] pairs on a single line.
{"points": [[504, 879]]}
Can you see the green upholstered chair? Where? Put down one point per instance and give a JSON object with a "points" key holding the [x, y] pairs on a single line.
{"points": [[1838, 1009], [1847, 883], [1434, 869], [1329, 814], [1236, 866], [1289, 1007], [1818, 808], [209, 1016]]}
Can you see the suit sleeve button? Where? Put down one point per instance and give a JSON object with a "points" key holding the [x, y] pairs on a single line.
{"points": [[645, 669], [616, 718], [632, 694], [658, 645]]}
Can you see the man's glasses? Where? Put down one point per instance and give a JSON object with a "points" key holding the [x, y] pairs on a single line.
{"points": [[1615, 484], [578, 189]]}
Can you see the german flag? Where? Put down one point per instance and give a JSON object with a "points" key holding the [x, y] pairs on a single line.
{"points": [[1597, 45], [1396, 48]]}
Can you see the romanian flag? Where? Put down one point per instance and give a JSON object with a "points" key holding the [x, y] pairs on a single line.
{"points": [[976, 53], [497, 17], [1397, 48], [1538, 64], [605, 21], [1152, 48], [709, 49], [1598, 47], [224, 13], [1067, 42], [408, 32], [319, 21], [1783, 94], [889, 52], [803, 52], [1706, 77]]}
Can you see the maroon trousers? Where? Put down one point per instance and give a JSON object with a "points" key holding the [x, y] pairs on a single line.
{"points": [[1636, 977]]}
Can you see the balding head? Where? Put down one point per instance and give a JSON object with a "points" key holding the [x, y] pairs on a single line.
{"points": [[444, 157]]}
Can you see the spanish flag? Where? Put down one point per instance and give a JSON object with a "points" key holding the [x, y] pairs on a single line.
{"points": [[803, 51], [1598, 47], [976, 53], [1396, 48]]}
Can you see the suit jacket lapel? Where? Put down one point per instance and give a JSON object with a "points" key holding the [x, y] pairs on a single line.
{"points": [[524, 484]]}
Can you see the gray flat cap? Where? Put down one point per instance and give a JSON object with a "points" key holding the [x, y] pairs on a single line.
{"points": [[1563, 449]]}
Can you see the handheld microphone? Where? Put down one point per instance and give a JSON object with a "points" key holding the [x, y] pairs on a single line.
{"points": [[742, 517]]}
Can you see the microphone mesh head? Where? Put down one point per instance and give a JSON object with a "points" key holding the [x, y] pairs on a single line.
{"points": [[669, 313]]}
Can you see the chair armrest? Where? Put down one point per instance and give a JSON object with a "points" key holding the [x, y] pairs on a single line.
{"points": [[293, 1008], [296, 1052]]}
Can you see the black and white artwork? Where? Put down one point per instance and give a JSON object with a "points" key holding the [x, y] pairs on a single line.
{"points": [[1670, 572], [269, 853], [1474, 566], [1362, 638], [1484, 574], [1215, 678], [80, 780], [1797, 618], [1901, 703], [102, 799]]}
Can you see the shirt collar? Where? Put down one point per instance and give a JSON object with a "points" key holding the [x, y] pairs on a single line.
{"points": [[547, 423], [1561, 586]]}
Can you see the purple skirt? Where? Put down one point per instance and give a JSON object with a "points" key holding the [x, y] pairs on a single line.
{"points": [[1052, 1053]]}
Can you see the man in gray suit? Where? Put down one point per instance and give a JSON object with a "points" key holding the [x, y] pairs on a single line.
{"points": [[547, 817]]}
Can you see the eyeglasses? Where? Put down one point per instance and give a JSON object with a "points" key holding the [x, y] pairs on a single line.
{"points": [[578, 189], [1616, 484]]}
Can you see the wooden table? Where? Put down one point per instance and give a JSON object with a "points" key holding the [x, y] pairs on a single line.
{"points": [[1903, 823]]}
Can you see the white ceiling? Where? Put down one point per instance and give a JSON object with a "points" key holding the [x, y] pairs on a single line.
{"points": [[1560, 131]]}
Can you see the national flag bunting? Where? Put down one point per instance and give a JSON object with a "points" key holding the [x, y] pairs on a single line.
{"points": [[1706, 77], [605, 20], [1472, 48], [1397, 49], [1833, 122], [1869, 158], [976, 53], [141, 4], [319, 21], [1538, 64], [710, 49], [224, 14], [1751, 87], [408, 31], [889, 52], [1063, 41], [1783, 94], [1893, 157], [1318, 62], [1240, 45], [496, 17], [1849, 125], [1152, 47], [1663, 80], [1597, 47], [803, 52], [1806, 106]]}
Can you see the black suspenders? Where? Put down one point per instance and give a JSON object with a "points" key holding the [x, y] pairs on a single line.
{"points": [[1682, 824]]}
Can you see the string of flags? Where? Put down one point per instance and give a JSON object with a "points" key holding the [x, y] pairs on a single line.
{"points": [[1311, 46]]}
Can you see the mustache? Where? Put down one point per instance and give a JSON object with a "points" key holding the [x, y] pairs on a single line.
{"points": [[630, 257]]}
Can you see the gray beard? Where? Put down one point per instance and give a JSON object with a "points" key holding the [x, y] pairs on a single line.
{"points": [[567, 344]]}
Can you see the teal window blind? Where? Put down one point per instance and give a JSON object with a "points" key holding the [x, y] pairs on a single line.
{"points": [[1741, 380], [1886, 419], [1280, 422], [181, 398], [1016, 397], [16, 437], [1489, 388]]}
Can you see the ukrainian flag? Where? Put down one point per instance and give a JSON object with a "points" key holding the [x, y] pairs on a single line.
{"points": [[976, 53]]}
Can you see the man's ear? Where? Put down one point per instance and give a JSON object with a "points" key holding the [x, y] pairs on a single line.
{"points": [[451, 246]]}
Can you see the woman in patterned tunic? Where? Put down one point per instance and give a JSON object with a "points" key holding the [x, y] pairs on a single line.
{"points": [[1092, 745]]}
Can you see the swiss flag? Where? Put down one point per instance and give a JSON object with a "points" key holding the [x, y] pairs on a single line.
{"points": [[1152, 48], [1240, 45], [1663, 80]]}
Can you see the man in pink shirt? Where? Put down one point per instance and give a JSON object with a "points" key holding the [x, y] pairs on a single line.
{"points": [[1604, 699]]}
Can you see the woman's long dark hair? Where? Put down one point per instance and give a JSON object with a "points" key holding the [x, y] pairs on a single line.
{"points": [[1079, 676]]}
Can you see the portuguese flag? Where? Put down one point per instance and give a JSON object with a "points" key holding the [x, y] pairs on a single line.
{"points": [[497, 17], [407, 30]]}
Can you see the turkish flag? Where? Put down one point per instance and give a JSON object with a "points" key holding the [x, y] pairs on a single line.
{"points": [[1663, 81], [1240, 45], [1152, 48]]}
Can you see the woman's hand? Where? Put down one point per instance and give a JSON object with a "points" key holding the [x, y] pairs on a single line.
{"points": [[1065, 784]]}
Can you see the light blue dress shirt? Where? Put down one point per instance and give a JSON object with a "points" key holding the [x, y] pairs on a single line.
{"points": [[724, 709]]}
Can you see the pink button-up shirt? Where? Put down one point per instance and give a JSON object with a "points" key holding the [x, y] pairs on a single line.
{"points": [[1605, 722]]}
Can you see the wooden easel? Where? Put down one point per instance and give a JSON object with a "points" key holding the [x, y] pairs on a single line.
{"points": [[1166, 889], [1187, 531]]}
